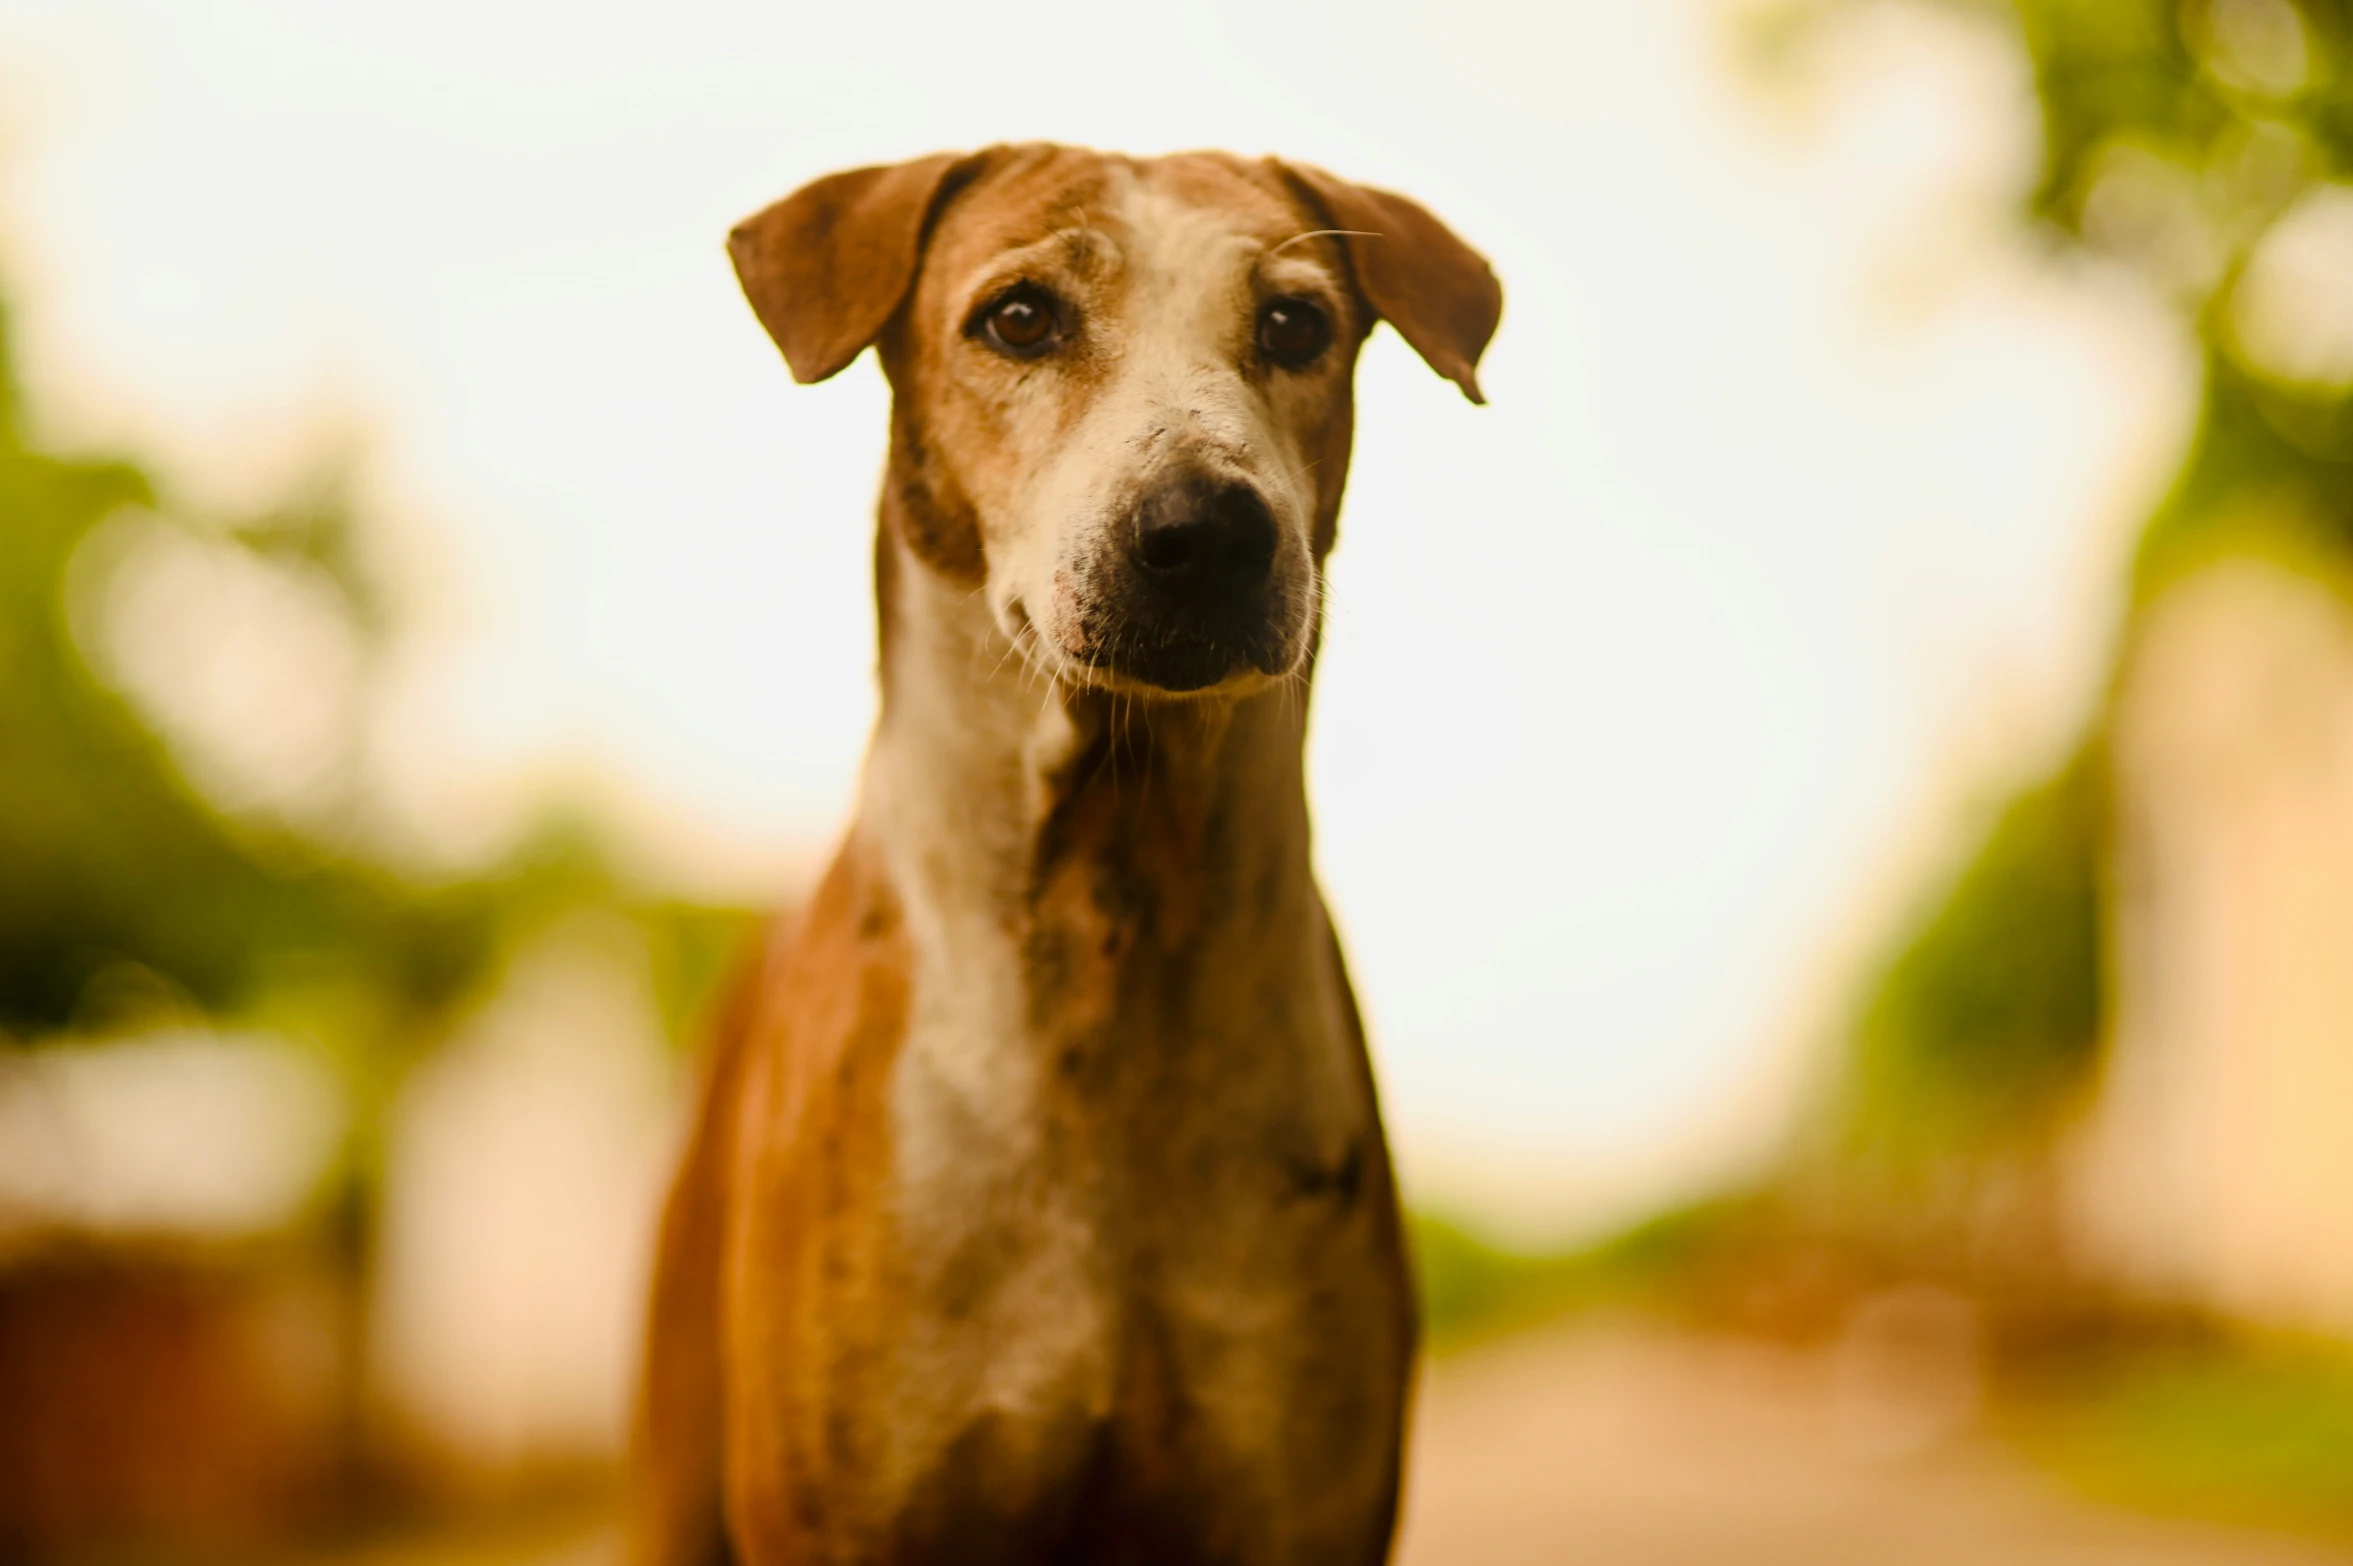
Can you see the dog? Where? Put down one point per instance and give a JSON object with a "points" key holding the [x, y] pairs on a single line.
{"points": [[1038, 1207]]}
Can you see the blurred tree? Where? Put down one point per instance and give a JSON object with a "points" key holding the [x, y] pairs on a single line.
{"points": [[121, 884], [109, 861], [1980, 1024], [2206, 145]]}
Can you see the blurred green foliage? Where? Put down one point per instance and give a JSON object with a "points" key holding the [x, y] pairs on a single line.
{"points": [[1472, 1288], [107, 856], [122, 886], [1986, 1018], [2224, 1430], [2200, 83]]}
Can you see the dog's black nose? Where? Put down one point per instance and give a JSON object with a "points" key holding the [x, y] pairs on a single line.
{"points": [[1203, 536]]}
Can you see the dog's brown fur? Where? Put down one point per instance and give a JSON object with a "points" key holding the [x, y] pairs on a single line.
{"points": [[1038, 1209]]}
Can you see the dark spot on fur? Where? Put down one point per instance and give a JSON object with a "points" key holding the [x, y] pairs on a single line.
{"points": [[841, 1439], [1266, 895], [1047, 955], [1339, 1183], [932, 514]]}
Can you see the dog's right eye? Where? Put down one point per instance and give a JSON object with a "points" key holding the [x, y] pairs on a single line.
{"points": [[1023, 322], [1292, 332]]}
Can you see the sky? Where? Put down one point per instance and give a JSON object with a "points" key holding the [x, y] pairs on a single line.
{"points": [[1793, 527]]}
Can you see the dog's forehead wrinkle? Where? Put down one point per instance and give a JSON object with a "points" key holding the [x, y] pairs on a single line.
{"points": [[1084, 254]]}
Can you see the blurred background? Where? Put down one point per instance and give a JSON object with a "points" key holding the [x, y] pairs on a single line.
{"points": [[1838, 785]]}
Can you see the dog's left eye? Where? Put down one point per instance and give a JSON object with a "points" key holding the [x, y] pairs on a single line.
{"points": [[1292, 332], [1023, 323]]}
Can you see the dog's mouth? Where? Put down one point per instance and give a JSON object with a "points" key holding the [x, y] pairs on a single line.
{"points": [[1115, 643]]}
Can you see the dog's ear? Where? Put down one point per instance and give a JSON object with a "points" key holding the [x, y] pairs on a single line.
{"points": [[1437, 291], [825, 267]]}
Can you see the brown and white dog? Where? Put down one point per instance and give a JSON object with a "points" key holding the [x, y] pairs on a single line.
{"points": [[1038, 1208]]}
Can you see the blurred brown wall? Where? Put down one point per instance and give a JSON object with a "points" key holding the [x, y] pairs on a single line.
{"points": [[187, 1398], [2217, 1165]]}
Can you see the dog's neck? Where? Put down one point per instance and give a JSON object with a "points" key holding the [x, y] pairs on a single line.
{"points": [[1007, 806]]}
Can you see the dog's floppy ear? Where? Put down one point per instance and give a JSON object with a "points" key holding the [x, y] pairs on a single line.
{"points": [[1437, 291], [825, 267]]}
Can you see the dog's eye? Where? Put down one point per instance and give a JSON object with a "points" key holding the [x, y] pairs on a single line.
{"points": [[1023, 323], [1292, 332]]}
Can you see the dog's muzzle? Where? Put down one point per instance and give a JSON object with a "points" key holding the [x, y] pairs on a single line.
{"points": [[1200, 595]]}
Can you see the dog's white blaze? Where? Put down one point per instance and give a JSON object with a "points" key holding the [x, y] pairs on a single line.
{"points": [[1188, 280], [965, 1093], [978, 1187], [971, 1173]]}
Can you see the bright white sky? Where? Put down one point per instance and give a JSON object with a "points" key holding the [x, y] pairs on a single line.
{"points": [[1796, 512]]}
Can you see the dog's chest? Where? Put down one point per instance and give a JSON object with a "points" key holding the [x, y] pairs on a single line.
{"points": [[1134, 1192], [1133, 1124]]}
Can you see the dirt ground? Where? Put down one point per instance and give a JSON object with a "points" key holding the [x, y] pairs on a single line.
{"points": [[1627, 1448]]}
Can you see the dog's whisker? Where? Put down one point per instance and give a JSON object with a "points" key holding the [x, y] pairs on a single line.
{"points": [[1325, 233], [1013, 647], [1330, 596]]}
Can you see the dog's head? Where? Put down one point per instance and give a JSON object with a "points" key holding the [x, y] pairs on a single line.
{"points": [[1121, 388]]}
